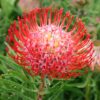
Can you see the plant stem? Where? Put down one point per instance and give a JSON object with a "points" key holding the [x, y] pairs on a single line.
{"points": [[41, 87], [41, 3], [88, 88], [87, 92]]}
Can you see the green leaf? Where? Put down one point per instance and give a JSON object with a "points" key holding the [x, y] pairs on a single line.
{"points": [[8, 61], [7, 6], [15, 88], [3, 68]]}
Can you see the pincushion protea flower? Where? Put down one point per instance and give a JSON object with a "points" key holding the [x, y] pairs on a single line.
{"points": [[96, 55], [44, 45]]}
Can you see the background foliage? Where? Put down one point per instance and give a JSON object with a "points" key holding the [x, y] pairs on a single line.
{"points": [[16, 84]]}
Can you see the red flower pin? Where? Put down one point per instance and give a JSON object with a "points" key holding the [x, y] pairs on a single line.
{"points": [[49, 44]]}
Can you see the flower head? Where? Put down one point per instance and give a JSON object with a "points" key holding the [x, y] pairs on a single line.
{"points": [[96, 55], [46, 43]]}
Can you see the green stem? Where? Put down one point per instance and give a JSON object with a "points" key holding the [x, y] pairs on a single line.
{"points": [[41, 3], [87, 92], [88, 88], [41, 87]]}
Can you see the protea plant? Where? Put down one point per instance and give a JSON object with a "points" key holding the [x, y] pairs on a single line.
{"points": [[49, 44], [96, 55]]}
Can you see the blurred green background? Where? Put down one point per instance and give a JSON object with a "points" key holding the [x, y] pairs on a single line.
{"points": [[16, 84]]}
